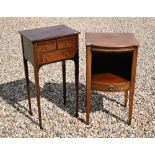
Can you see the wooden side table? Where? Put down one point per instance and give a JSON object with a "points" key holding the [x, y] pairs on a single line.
{"points": [[111, 60], [42, 46]]}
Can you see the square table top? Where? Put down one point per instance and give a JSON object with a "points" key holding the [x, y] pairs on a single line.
{"points": [[110, 39], [45, 33]]}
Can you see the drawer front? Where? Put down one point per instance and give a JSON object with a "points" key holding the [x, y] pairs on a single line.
{"points": [[66, 42], [56, 56], [111, 87], [46, 46]]}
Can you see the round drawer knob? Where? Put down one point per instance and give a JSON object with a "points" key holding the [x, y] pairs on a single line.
{"points": [[111, 87]]}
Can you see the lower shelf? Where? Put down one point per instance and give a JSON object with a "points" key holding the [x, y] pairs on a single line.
{"points": [[109, 82]]}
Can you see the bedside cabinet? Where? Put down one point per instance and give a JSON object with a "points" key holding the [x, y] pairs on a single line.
{"points": [[111, 60], [42, 46]]}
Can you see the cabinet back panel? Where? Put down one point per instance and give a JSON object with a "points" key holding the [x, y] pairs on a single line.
{"points": [[118, 63]]}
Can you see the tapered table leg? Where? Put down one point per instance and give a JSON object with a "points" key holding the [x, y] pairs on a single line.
{"points": [[134, 63], [36, 75], [88, 82], [130, 105], [27, 85], [126, 98], [77, 84], [64, 80]]}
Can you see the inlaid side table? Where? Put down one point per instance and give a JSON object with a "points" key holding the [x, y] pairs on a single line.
{"points": [[111, 60], [42, 46]]}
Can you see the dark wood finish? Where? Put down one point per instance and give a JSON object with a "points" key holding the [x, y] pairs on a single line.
{"points": [[27, 85], [126, 98], [111, 65], [76, 61], [48, 33], [132, 86], [47, 45], [36, 76], [27, 79], [66, 42], [27, 47], [64, 80]]}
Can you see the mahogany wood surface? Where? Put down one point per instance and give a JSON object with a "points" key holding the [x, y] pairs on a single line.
{"points": [[109, 82], [46, 33], [45, 46], [42, 46], [66, 42], [112, 40], [56, 56], [111, 60]]}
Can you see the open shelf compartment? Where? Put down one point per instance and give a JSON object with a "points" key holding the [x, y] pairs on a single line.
{"points": [[111, 71]]}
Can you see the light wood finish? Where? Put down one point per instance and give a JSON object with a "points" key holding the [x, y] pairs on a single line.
{"points": [[88, 82], [109, 82], [56, 55], [111, 40]]}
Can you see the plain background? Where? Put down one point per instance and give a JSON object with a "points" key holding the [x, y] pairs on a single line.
{"points": [[77, 8]]}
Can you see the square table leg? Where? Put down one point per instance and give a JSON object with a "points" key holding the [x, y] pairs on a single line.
{"points": [[88, 82], [27, 85], [36, 75], [76, 61], [64, 80], [133, 73], [126, 98]]}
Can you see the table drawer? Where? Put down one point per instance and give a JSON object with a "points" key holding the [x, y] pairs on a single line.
{"points": [[56, 56], [111, 87], [46, 46], [66, 42]]}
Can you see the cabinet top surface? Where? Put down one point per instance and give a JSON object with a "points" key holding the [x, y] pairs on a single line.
{"points": [[111, 39], [45, 33]]}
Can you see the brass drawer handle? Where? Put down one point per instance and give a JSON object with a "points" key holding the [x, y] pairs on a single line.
{"points": [[111, 87], [46, 47]]}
